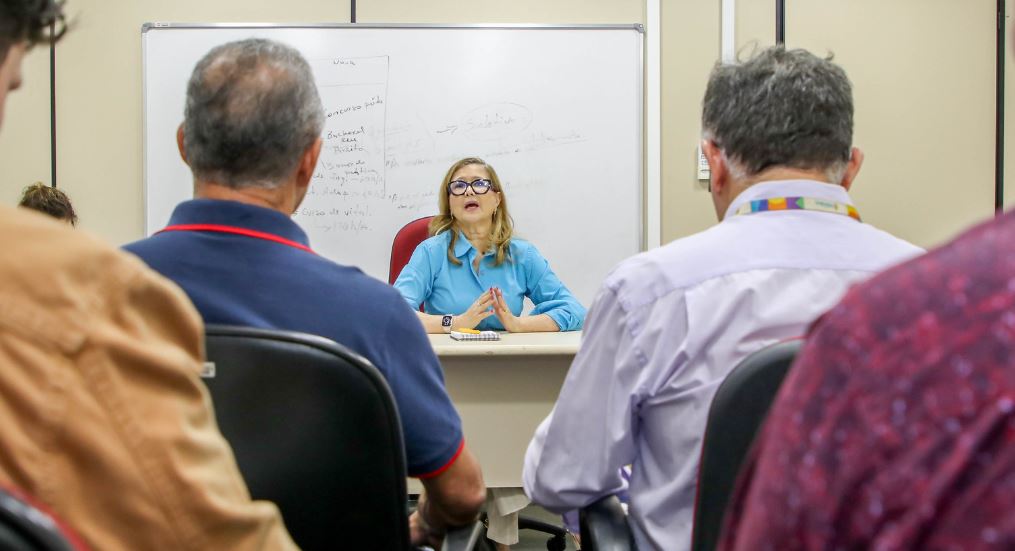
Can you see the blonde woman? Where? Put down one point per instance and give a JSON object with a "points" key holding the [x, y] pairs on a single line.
{"points": [[472, 274]]}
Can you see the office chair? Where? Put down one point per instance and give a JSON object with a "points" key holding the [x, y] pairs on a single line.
{"points": [[315, 430], [25, 527], [406, 240], [604, 526], [737, 412]]}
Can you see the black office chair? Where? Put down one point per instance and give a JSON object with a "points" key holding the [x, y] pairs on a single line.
{"points": [[558, 534], [604, 526], [315, 430], [24, 527], [737, 412]]}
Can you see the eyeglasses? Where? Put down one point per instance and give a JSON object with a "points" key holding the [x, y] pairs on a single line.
{"points": [[479, 187]]}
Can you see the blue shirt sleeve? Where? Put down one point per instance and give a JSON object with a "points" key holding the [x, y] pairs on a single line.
{"points": [[431, 427], [549, 295], [415, 283]]}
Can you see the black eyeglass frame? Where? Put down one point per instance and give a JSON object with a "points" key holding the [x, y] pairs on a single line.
{"points": [[472, 184]]}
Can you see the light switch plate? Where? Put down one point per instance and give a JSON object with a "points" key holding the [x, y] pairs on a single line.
{"points": [[703, 171]]}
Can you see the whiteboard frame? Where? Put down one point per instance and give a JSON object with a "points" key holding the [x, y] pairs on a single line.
{"points": [[649, 193]]}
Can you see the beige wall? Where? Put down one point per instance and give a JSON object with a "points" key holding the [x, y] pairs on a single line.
{"points": [[690, 47], [498, 11], [924, 105], [99, 99], [24, 145], [755, 24], [923, 75]]}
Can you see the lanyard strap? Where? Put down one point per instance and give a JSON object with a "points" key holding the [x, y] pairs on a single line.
{"points": [[799, 203], [238, 231]]}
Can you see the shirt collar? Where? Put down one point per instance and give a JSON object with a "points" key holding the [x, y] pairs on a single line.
{"points": [[462, 246], [789, 188], [238, 215]]}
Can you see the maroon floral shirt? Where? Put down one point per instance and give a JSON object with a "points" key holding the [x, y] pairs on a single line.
{"points": [[895, 429]]}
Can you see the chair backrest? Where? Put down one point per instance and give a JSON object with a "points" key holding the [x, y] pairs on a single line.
{"points": [[315, 430], [737, 412], [406, 240], [26, 527]]}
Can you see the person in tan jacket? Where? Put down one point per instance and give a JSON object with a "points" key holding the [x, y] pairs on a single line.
{"points": [[103, 416]]}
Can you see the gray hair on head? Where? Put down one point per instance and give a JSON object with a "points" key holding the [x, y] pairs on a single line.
{"points": [[252, 110], [781, 107]]}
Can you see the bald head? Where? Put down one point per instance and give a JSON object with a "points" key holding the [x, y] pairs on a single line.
{"points": [[252, 110]]}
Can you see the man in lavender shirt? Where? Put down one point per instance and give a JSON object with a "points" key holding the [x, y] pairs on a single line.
{"points": [[668, 325]]}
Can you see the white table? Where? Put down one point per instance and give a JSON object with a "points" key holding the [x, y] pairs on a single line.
{"points": [[503, 390]]}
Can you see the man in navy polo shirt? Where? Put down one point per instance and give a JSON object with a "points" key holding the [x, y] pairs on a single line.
{"points": [[251, 136]]}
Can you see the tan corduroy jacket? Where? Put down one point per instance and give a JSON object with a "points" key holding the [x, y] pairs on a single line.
{"points": [[103, 416]]}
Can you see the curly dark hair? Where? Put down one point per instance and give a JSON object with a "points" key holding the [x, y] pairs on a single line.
{"points": [[49, 200], [29, 20]]}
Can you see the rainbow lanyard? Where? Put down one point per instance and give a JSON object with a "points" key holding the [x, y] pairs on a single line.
{"points": [[799, 203]]}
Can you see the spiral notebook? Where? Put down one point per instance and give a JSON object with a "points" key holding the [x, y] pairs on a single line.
{"points": [[481, 336]]}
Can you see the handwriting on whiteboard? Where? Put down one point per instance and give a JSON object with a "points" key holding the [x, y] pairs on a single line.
{"points": [[364, 143]]}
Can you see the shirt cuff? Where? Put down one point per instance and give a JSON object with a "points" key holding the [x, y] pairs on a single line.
{"points": [[562, 318], [445, 466]]}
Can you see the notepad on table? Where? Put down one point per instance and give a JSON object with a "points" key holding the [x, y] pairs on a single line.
{"points": [[477, 336]]}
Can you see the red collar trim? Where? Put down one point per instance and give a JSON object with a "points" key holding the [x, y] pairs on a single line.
{"points": [[238, 231]]}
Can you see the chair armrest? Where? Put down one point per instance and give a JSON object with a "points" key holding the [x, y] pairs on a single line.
{"points": [[464, 538], [604, 526]]}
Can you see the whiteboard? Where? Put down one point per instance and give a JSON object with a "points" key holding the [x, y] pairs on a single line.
{"points": [[557, 111]]}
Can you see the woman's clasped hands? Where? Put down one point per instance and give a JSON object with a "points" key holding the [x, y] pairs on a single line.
{"points": [[490, 303], [503, 313], [477, 312]]}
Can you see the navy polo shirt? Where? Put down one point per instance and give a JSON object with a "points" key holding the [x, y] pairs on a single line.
{"points": [[256, 282]]}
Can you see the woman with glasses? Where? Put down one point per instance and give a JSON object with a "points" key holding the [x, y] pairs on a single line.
{"points": [[472, 274]]}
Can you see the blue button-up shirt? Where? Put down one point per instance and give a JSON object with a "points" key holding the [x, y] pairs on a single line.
{"points": [[442, 287]]}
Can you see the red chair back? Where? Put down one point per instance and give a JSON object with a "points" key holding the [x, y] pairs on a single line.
{"points": [[406, 240]]}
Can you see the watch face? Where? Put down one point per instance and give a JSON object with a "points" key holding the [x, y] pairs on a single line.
{"points": [[446, 321]]}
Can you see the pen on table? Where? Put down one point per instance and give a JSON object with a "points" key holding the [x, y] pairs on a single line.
{"points": [[471, 331]]}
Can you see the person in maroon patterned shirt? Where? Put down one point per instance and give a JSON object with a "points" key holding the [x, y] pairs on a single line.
{"points": [[895, 429]]}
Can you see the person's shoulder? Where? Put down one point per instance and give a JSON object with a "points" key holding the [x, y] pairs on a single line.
{"points": [[437, 242], [889, 244], [433, 245], [48, 261], [52, 245], [152, 245], [980, 253], [522, 249], [522, 246], [673, 266], [975, 266], [351, 280], [350, 276]]}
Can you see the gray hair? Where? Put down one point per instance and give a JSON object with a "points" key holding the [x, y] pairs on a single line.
{"points": [[252, 110], [780, 108]]}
